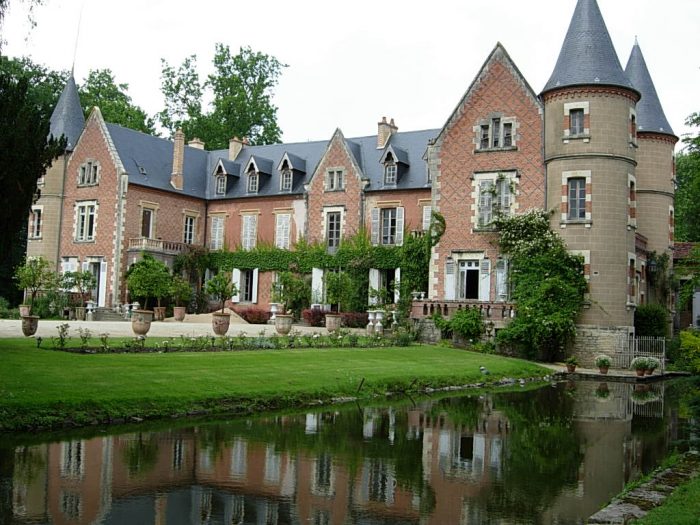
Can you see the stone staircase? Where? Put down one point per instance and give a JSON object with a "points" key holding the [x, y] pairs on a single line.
{"points": [[106, 314]]}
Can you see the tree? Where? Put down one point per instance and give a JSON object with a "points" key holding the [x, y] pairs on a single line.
{"points": [[34, 275], [687, 205], [148, 278], [221, 288], [45, 85], [25, 155], [100, 89], [241, 87]]}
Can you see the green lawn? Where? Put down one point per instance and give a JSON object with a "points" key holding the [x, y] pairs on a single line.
{"points": [[46, 388], [681, 508]]}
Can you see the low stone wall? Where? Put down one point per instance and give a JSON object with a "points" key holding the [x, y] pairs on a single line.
{"points": [[429, 333], [591, 341]]}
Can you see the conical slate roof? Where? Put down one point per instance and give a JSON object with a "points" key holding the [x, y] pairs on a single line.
{"points": [[67, 117], [587, 56], [650, 114]]}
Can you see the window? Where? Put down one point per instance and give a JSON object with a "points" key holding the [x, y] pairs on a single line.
{"points": [[85, 222], [147, 223], [286, 181], [576, 121], [178, 454], [494, 197], [333, 230], [221, 184], [577, 199], [335, 180], [87, 173], [507, 135], [217, 233], [282, 230], [388, 225], [35, 223], [468, 280], [390, 171], [248, 286], [188, 235], [484, 141], [252, 182], [496, 133], [72, 459], [249, 231]]}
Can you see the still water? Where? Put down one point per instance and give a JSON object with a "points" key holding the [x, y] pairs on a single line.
{"points": [[549, 455]]}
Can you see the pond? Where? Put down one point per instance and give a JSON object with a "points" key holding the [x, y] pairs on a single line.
{"points": [[553, 454]]}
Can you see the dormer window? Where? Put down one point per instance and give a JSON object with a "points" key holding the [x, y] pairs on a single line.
{"points": [[253, 179], [286, 178], [221, 184], [390, 171]]}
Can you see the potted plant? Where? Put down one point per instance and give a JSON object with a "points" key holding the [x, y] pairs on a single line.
{"points": [[222, 288], [180, 292], [571, 363], [283, 316], [147, 278], [603, 363], [653, 364], [337, 288], [84, 282], [32, 276], [640, 365], [602, 392]]}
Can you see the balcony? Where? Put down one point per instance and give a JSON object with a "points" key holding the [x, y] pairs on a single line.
{"points": [[499, 313], [165, 251]]}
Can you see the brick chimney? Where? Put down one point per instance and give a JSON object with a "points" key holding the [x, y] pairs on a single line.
{"points": [[196, 143], [177, 176], [235, 145], [384, 131]]}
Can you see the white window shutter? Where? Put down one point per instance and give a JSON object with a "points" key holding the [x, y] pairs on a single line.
{"points": [[485, 280], [485, 202], [427, 217], [85, 266], [65, 266], [282, 231], [505, 194], [316, 285], [449, 290], [236, 278], [397, 284], [375, 226], [399, 226], [502, 280], [255, 286], [217, 233], [102, 292], [373, 281]]}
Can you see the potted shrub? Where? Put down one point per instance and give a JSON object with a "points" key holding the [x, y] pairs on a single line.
{"points": [[338, 285], [653, 364], [180, 292], [32, 276], [640, 365], [222, 288], [147, 278], [603, 363], [84, 282], [571, 363], [283, 316]]}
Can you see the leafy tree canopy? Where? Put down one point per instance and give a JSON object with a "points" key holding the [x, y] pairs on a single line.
{"points": [[687, 206], [241, 88], [100, 89]]}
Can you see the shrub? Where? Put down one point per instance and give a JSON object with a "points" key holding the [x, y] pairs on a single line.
{"points": [[253, 315], [467, 323], [651, 320], [6, 312], [640, 363], [354, 319], [689, 358], [602, 360], [314, 317]]}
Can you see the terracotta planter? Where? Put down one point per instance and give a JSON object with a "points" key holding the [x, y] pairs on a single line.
{"points": [[179, 313], [640, 372], [30, 323], [80, 313], [283, 323], [25, 310], [648, 371], [220, 322], [159, 313], [141, 321], [571, 368], [333, 322], [603, 369]]}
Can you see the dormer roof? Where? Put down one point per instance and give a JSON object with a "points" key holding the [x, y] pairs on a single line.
{"points": [[587, 56], [398, 154], [228, 167], [261, 165], [294, 162], [650, 114], [67, 118]]}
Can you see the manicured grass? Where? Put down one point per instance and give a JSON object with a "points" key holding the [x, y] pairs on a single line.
{"points": [[46, 388], [681, 508]]}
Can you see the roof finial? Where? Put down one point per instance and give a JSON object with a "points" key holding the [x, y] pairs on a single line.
{"points": [[77, 36], [636, 42]]}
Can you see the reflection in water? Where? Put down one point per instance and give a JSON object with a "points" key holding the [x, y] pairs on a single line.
{"points": [[554, 454]]}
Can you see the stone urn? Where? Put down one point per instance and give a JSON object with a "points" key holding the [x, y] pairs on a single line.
{"points": [[159, 313], [333, 322], [141, 321], [220, 322], [370, 323], [80, 313], [283, 323], [179, 313], [30, 323], [25, 310]]}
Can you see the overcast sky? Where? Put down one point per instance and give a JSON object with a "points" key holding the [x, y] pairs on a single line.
{"points": [[351, 63]]}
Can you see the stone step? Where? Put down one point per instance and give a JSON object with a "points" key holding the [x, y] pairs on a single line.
{"points": [[106, 314]]}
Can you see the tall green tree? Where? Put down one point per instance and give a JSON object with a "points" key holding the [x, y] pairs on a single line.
{"points": [[101, 89], [241, 88], [687, 206], [45, 85]]}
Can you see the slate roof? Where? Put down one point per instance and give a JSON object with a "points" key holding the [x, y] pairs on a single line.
{"points": [[650, 114], [587, 56], [67, 117], [148, 161]]}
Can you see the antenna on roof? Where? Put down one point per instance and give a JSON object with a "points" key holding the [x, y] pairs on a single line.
{"points": [[77, 36]]}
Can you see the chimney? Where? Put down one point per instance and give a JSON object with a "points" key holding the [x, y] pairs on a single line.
{"points": [[196, 143], [235, 145], [177, 178], [384, 131]]}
